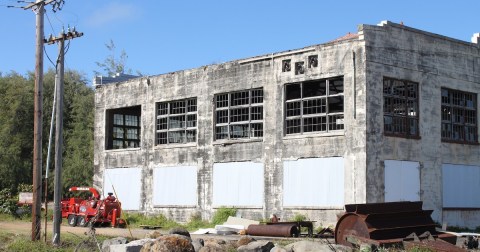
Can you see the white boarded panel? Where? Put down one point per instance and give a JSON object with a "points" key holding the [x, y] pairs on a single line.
{"points": [[402, 181], [461, 186], [127, 184], [314, 182], [175, 185], [238, 184]]}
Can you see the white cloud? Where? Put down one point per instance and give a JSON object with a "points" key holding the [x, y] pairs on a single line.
{"points": [[112, 13]]}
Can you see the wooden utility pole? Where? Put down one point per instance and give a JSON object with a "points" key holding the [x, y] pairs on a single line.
{"points": [[59, 81], [39, 7], [37, 124]]}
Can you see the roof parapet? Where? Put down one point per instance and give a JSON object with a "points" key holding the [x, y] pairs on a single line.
{"points": [[476, 38]]}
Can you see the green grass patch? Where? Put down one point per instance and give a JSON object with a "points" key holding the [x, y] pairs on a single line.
{"points": [[134, 220], [22, 243], [222, 214]]}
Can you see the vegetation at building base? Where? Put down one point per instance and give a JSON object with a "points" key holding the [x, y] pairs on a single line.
{"points": [[14, 242], [16, 129], [195, 222]]}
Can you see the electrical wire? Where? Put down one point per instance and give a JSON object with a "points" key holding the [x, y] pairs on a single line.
{"points": [[45, 51], [51, 26]]}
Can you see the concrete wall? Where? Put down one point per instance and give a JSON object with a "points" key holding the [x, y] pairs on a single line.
{"points": [[335, 59], [434, 62]]}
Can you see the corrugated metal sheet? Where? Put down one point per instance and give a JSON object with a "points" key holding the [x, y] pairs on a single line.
{"points": [[175, 185], [461, 186], [238, 184], [402, 181], [127, 186], [314, 182]]}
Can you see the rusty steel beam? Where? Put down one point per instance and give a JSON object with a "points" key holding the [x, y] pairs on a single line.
{"points": [[283, 230]]}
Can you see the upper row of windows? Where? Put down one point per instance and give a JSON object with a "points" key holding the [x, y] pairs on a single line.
{"points": [[401, 112], [310, 106]]}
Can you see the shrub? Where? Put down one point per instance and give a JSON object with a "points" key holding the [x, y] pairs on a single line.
{"points": [[222, 214], [299, 217], [8, 205]]}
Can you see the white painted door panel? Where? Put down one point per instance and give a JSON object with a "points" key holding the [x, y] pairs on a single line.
{"points": [[402, 181], [175, 186], [461, 186], [127, 184]]}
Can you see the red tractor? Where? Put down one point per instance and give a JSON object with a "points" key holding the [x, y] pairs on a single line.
{"points": [[82, 212]]}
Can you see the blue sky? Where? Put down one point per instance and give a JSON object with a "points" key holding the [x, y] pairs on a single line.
{"points": [[165, 36]]}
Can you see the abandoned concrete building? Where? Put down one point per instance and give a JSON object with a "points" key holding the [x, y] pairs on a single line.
{"points": [[389, 113]]}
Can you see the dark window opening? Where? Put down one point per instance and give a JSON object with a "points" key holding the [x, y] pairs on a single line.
{"points": [[177, 122], [312, 61], [123, 128], [400, 108], [286, 67], [299, 68], [459, 116], [239, 115], [314, 106]]}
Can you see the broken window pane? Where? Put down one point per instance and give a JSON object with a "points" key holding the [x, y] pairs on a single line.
{"points": [[335, 104], [299, 68], [314, 88], [293, 91], [335, 86]]}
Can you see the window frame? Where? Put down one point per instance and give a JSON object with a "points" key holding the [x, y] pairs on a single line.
{"points": [[179, 126], [226, 111], [124, 127], [328, 116], [406, 100], [450, 106]]}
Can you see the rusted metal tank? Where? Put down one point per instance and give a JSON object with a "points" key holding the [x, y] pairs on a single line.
{"points": [[385, 224], [278, 230]]}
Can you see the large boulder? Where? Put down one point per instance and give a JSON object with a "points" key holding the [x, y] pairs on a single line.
{"points": [[133, 246], [257, 246], [154, 234], [170, 243], [179, 231], [198, 244], [279, 249], [311, 246], [118, 240]]}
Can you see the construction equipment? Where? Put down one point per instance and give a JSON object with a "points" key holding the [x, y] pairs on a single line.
{"points": [[400, 224], [93, 210]]}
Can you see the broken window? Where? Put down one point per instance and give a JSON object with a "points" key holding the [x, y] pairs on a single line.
{"points": [[239, 114], [314, 106], [312, 61], [286, 65], [400, 108], [176, 122], [123, 128], [299, 68], [459, 116]]}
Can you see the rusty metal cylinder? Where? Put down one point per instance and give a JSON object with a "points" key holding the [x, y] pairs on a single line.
{"points": [[278, 230]]}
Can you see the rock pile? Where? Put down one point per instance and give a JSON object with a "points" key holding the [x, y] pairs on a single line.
{"points": [[179, 240]]}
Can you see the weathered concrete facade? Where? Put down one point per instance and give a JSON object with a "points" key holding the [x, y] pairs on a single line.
{"points": [[362, 60]]}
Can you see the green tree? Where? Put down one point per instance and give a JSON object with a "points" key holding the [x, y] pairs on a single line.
{"points": [[113, 65], [16, 130]]}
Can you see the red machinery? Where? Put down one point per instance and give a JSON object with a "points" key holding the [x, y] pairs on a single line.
{"points": [[81, 212]]}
